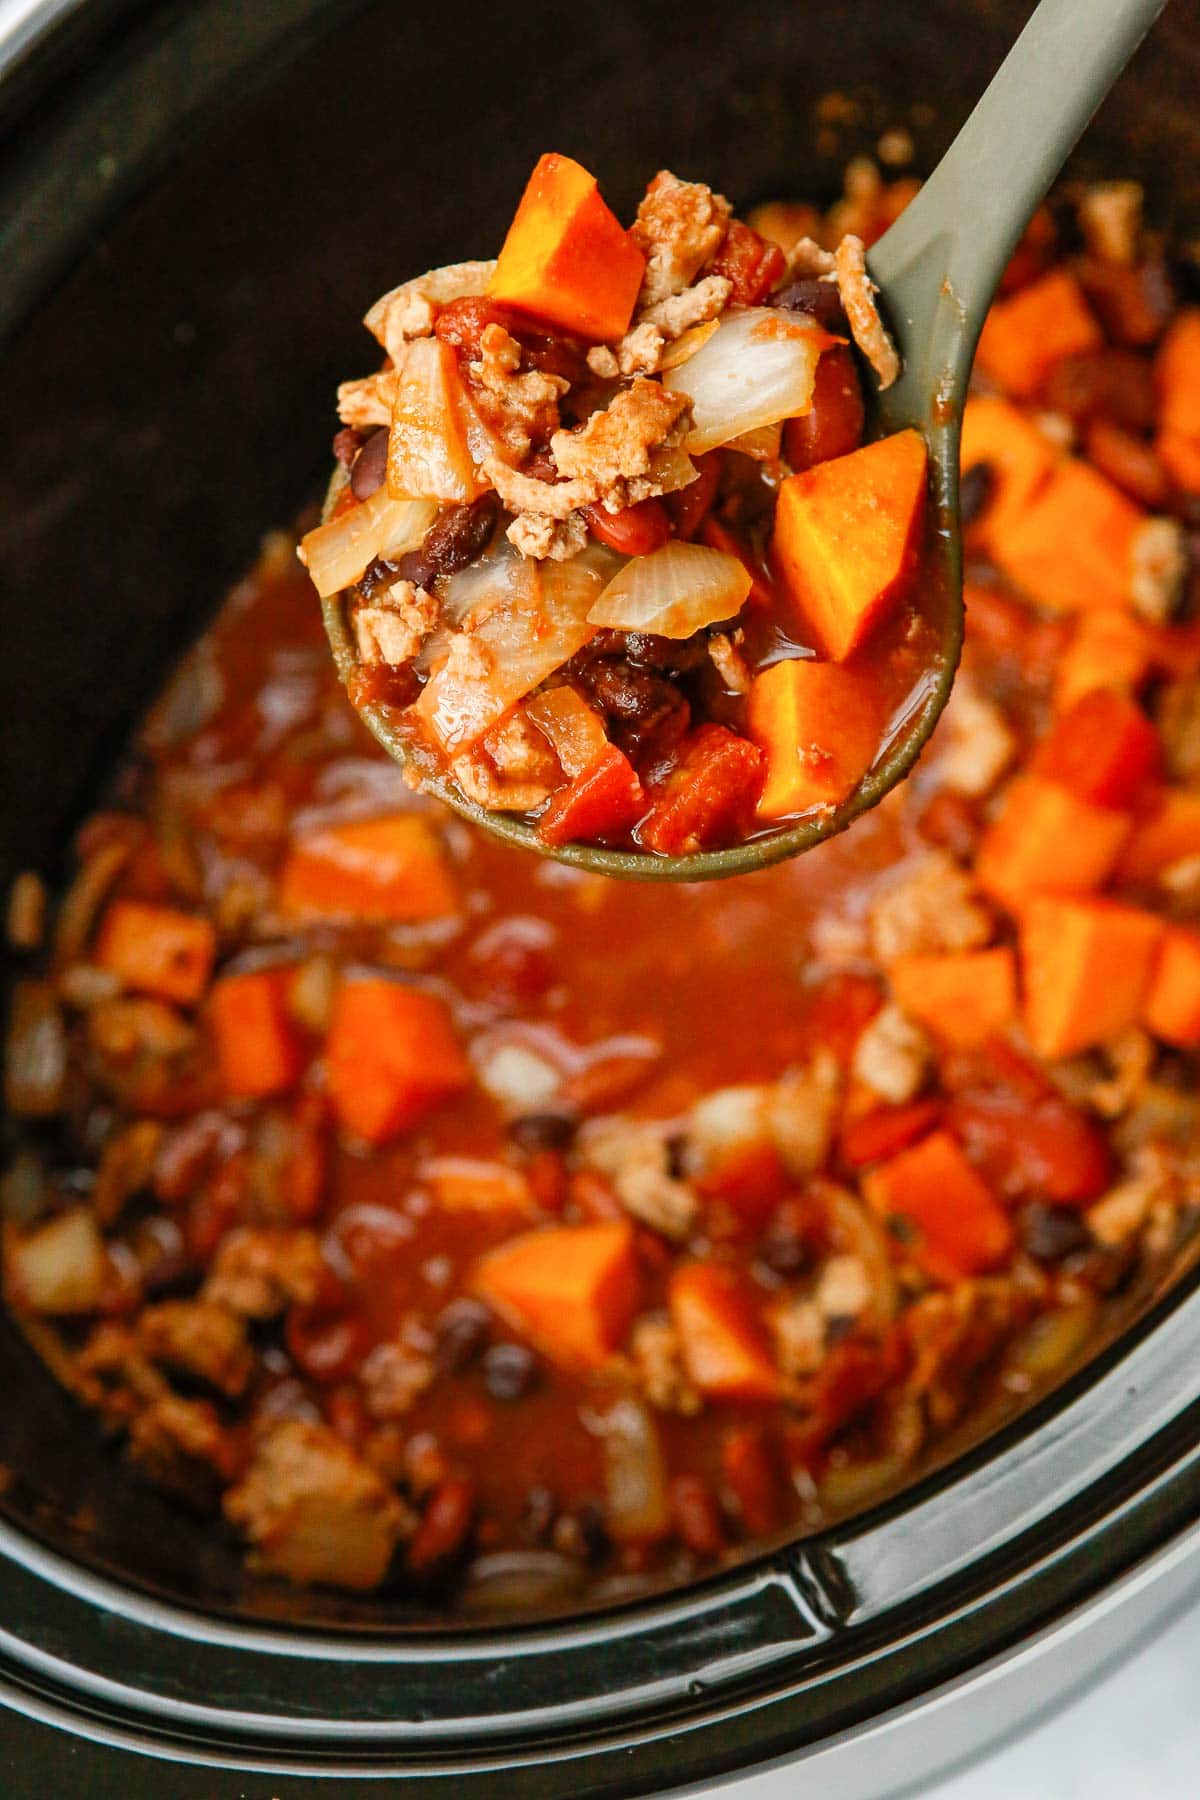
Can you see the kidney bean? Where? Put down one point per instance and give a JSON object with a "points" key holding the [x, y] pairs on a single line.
{"points": [[689, 505], [697, 1515], [1132, 304], [833, 425], [510, 1371], [461, 534], [1114, 384], [370, 465], [549, 1183], [461, 1335], [1129, 461], [975, 491], [635, 531], [953, 822], [346, 445], [819, 299], [445, 1525]]}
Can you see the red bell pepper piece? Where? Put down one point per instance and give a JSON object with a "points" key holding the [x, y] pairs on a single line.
{"points": [[710, 795]]}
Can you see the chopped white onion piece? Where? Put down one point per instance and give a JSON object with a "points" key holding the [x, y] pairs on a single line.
{"points": [[674, 591], [576, 733], [539, 621], [337, 553], [757, 367], [429, 457]]}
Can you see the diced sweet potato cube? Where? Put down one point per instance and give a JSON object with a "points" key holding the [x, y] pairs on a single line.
{"points": [[156, 950], [1085, 966], [819, 725], [375, 871], [1165, 831], [725, 1350], [392, 1056], [1177, 377], [1110, 649], [1102, 749], [1023, 337], [1019, 458], [567, 259], [1172, 1008], [964, 999], [709, 796], [847, 538], [1072, 546], [1180, 456], [930, 1190], [1048, 841], [572, 1289], [258, 1049], [606, 800]]}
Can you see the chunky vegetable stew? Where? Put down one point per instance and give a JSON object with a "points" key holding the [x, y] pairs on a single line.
{"points": [[435, 1215], [611, 544]]}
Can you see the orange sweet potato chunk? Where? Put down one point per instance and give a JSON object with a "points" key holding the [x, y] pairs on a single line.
{"points": [[1048, 841], [958, 1226], [725, 1350], [391, 1057], [1086, 967], [1177, 377], [1172, 1009], [1166, 831], [999, 434], [567, 259], [1024, 337], [258, 1048], [1109, 650], [847, 538], [1180, 456], [964, 999], [156, 950], [819, 726], [571, 1289], [1072, 546], [375, 871]]}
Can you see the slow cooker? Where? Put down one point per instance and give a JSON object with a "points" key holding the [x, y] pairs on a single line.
{"points": [[195, 198]]}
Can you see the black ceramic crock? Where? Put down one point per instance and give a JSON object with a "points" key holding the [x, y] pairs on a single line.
{"points": [[196, 202]]}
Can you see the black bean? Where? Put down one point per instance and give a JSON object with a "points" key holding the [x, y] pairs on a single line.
{"points": [[378, 574], [461, 534], [820, 299], [538, 1515], [975, 490], [543, 1131], [370, 465], [461, 1334], [784, 1253], [510, 1371], [1052, 1233]]}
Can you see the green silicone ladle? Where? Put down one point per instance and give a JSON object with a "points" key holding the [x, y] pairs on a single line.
{"points": [[937, 269]]}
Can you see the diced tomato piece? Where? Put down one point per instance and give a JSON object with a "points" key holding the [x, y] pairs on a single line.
{"points": [[881, 1133], [1102, 749], [853, 1375], [605, 801], [1042, 1149], [840, 1011], [635, 531], [750, 262], [689, 506], [833, 424], [754, 1479], [710, 795]]}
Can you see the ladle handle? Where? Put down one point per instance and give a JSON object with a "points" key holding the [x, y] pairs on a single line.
{"points": [[971, 212]]}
